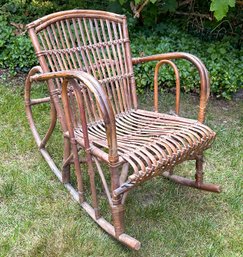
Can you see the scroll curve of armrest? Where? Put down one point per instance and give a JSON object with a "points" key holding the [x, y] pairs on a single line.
{"points": [[203, 73], [33, 71], [94, 86]]}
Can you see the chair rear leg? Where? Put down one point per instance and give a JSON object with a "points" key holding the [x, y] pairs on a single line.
{"points": [[199, 170], [198, 182]]}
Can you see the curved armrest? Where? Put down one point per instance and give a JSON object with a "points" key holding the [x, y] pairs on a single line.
{"points": [[204, 79], [94, 86], [29, 102]]}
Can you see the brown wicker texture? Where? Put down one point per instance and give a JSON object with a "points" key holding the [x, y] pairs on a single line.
{"points": [[85, 58]]}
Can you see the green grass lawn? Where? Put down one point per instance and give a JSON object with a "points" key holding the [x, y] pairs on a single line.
{"points": [[39, 218]]}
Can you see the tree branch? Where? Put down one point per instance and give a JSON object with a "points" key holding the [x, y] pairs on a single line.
{"points": [[207, 16], [137, 9]]}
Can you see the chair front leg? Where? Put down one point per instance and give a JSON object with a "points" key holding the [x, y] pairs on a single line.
{"points": [[117, 208], [118, 211]]}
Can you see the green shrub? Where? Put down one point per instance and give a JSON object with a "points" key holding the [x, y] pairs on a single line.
{"points": [[16, 51], [6, 31], [223, 61], [19, 55]]}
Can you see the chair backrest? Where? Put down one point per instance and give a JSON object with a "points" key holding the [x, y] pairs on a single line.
{"points": [[92, 41]]}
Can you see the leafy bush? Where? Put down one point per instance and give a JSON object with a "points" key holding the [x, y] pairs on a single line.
{"points": [[6, 31], [223, 61], [16, 51]]}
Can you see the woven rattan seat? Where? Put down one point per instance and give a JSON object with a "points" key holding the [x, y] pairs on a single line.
{"points": [[85, 60], [151, 142]]}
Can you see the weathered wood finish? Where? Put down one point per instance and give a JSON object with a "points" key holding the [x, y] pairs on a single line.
{"points": [[86, 60]]}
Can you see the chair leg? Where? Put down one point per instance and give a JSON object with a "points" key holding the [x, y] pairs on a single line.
{"points": [[66, 168], [117, 208], [104, 224], [199, 170], [198, 182], [117, 211]]}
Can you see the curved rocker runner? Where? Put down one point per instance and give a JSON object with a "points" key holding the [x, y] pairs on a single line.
{"points": [[85, 59]]}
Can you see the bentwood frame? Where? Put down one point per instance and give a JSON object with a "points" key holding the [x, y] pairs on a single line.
{"points": [[85, 58]]}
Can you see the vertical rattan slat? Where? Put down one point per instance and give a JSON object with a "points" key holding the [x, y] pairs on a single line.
{"points": [[103, 58], [116, 69], [85, 46], [111, 71], [123, 84], [65, 56], [82, 57]]}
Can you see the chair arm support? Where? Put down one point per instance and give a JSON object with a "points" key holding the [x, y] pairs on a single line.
{"points": [[29, 102], [94, 86], [33, 71], [203, 73]]}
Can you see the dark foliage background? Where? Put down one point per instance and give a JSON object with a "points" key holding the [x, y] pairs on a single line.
{"points": [[161, 26]]}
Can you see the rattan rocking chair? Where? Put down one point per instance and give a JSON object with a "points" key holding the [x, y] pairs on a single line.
{"points": [[85, 59]]}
